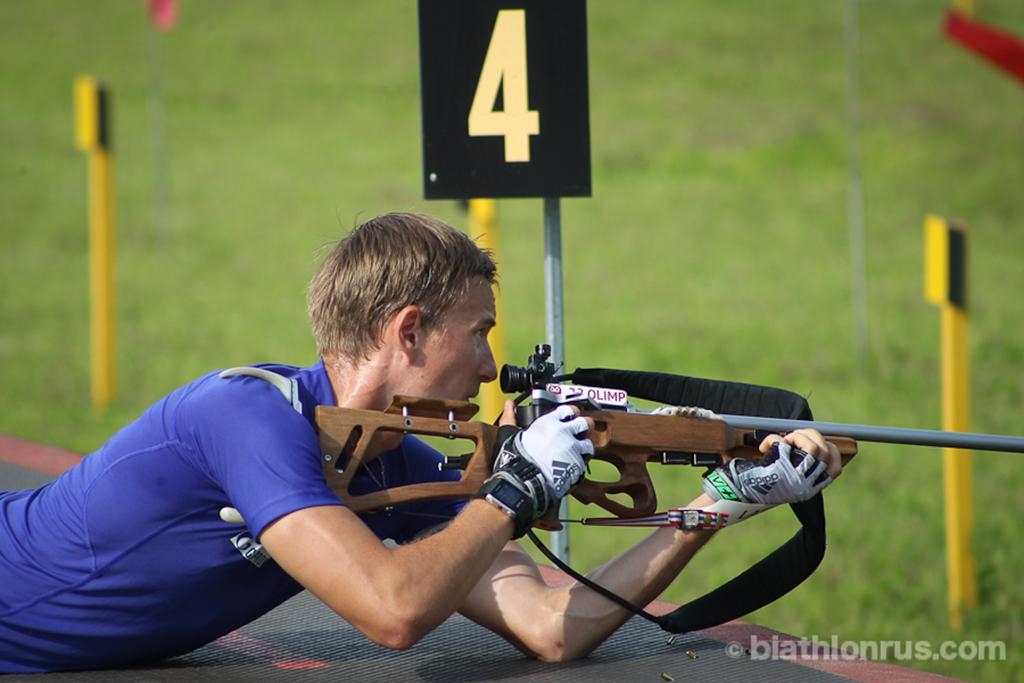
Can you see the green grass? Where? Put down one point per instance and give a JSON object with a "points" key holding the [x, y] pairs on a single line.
{"points": [[716, 242]]}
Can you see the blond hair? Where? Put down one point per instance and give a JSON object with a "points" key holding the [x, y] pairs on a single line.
{"points": [[383, 265]]}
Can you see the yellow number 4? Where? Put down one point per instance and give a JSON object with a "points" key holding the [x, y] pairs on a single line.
{"points": [[505, 67]]}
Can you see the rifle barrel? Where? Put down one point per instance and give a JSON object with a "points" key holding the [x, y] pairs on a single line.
{"points": [[900, 435]]}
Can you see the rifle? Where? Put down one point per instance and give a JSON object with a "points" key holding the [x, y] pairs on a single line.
{"points": [[628, 441], [625, 437]]}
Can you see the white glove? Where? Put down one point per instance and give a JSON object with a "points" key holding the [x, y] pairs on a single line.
{"points": [[786, 475], [543, 461], [552, 445]]}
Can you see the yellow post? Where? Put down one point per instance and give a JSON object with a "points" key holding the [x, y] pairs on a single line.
{"points": [[965, 7], [483, 226], [946, 286], [92, 135]]}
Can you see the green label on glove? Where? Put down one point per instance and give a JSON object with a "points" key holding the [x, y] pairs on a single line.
{"points": [[722, 486]]}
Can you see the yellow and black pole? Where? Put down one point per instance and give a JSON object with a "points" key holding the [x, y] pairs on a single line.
{"points": [[946, 286], [93, 136], [483, 226]]}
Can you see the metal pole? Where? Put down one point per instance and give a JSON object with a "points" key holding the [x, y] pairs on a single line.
{"points": [[555, 327], [156, 120], [900, 435], [855, 191]]}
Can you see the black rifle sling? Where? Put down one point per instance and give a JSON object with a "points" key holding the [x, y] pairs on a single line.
{"points": [[789, 564]]}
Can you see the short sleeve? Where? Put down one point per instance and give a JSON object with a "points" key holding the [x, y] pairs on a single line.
{"points": [[258, 449]]}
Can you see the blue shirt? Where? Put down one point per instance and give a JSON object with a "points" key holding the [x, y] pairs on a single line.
{"points": [[124, 558]]}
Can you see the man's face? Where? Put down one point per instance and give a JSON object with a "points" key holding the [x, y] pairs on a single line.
{"points": [[457, 357]]}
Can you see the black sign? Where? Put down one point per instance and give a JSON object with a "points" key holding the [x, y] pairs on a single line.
{"points": [[504, 95]]}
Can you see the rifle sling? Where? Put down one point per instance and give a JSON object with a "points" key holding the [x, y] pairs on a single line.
{"points": [[789, 564]]}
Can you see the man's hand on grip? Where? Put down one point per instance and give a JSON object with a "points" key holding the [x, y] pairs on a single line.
{"points": [[542, 461]]}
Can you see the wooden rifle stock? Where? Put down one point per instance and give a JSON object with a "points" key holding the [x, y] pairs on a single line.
{"points": [[356, 433]]}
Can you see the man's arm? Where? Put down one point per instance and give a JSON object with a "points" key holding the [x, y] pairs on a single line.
{"points": [[568, 621], [393, 596], [396, 595], [559, 623]]}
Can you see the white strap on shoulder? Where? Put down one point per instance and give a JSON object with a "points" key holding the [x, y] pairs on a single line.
{"points": [[289, 388]]}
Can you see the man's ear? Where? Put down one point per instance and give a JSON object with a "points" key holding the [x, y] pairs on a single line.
{"points": [[406, 329]]}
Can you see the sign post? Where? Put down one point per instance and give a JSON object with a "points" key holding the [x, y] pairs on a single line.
{"points": [[505, 113]]}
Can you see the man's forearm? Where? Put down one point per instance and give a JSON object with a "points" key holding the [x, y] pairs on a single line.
{"points": [[639, 575], [448, 564]]}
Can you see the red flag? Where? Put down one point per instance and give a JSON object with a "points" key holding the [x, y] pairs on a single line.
{"points": [[163, 13], [1001, 49]]}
